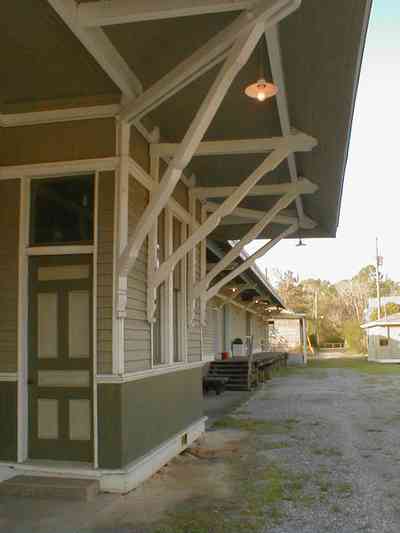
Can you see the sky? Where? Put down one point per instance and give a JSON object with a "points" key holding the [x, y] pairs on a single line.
{"points": [[371, 195]]}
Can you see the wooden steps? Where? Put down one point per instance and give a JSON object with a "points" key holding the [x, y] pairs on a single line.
{"points": [[238, 373]]}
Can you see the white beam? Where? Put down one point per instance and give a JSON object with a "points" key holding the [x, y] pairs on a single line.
{"points": [[229, 147], [269, 12], [276, 189], [269, 164], [247, 216], [237, 293], [275, 60], [252, 234], [104, 12], [101, 48], [238, 56], [250, 261]]}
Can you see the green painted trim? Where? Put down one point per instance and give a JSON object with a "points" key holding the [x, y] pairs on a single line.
{"points": [[8, 422], [136, 417], [109, 425]]}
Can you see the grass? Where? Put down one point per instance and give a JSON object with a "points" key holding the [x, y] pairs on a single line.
{"points": [[297, 371], [345, 489], [357, 364], [253, 424], [256, 501], [276, 445], [327, 452]]}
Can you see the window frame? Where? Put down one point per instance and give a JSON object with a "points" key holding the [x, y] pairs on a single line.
{"points": [[33, 209], [165, 299]]}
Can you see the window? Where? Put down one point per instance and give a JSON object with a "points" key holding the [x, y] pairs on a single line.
{"points": [[178, 298], [169, 327], [62, 211], [383, 341], [158, 333]]}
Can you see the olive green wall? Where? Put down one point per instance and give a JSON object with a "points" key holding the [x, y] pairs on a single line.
{"points": [[138, 416], [105, 266], [62, 141], [9, 250], [8, 421]]}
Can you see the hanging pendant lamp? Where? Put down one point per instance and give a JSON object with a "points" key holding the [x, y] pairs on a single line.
{"points": [[261, 89]]}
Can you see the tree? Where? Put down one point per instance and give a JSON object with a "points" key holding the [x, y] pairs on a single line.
{"points": [[387, 310], [341, 306]]}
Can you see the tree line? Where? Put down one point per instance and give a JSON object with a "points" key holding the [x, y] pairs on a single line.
{"points": [[335, 311]]}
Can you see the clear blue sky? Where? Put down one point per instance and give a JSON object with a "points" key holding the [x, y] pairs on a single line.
{"points": [[371, 196]]}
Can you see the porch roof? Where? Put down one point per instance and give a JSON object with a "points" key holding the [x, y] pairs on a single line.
{"points": [[259, 287], [391, 320], [44, 65]]}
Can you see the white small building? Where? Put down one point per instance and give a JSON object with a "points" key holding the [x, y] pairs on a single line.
{"points": [[383, 339]]}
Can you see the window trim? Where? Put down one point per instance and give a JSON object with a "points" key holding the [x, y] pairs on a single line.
{"points": [[32, 210], [167, 300]]}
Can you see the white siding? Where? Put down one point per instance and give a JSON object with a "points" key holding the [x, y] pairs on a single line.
{"points": [[137, 328], [194, 330], [391, 351], [213, 332], [259, 333], [238, 327]]}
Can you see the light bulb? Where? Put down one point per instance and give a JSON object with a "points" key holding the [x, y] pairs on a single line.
{"points": [[261, 96]]}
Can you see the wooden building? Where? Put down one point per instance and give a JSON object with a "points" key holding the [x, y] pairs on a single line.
{"points": [[383, 339], [127, 148]]}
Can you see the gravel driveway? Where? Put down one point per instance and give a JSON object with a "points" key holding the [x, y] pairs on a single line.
{"points": [[346, 443]]}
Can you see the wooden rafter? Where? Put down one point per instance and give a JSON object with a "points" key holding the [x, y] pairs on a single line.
{"points": [[101, 48], [105, 13], [269, 164], [253, 233], [250, 261], [248, 216], [267, 12], [238, 56], [226, 147]]}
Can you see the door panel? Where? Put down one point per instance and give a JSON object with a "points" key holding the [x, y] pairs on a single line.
{"points": [[60, 358]]}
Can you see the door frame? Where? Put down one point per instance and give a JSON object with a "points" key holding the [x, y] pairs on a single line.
{"points": [[25, 252]]}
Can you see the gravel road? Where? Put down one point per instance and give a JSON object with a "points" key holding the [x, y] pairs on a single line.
{"points": [[345, 444]]}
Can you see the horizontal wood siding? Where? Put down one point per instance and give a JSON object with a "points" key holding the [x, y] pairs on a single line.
{"points": [[238, 323], [63, 141], [210, 332], [259, 333], [105, 260], [181, 192], [137, 327], [9, 243], [140, 149], [194, 329]]}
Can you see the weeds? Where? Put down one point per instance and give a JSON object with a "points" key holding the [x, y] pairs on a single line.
{"points": [[327, 452], [253, 424]]}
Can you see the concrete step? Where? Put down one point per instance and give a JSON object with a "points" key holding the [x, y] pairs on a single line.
{"points": [[50, 487]]}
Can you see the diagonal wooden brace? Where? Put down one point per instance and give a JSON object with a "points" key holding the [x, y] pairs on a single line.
{"points": [[269, 164], [303, 186], [266, 12], [238, 56], [250, 261]]}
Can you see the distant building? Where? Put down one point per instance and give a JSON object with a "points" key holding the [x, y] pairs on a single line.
{"points": [[383, 338]]}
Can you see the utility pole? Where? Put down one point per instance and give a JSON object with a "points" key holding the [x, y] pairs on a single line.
{"points": [[316, 315], [379, 262]]}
